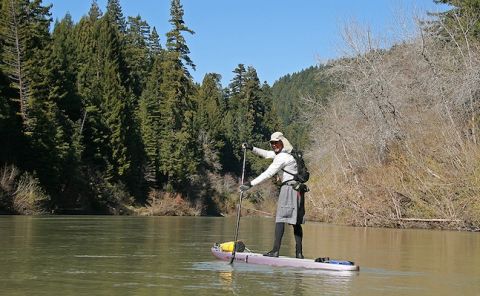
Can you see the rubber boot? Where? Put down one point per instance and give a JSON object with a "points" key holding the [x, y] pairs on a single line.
{"points": [[298, 232], [299, 254], [272, 253], [279, 229]]}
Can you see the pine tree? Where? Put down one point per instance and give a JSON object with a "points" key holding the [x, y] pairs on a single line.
{"points": [[49, 86], [256, 111], [154, 44], [249, 116], [120, 98], [210, 103], [63, 65], [460, 21], [89, 73], [231, 151], [271, 120], [48, 141], [114, 11], [137, 53], [114, 103], [110, 132], [24, 30], [87, 59], [175, 40], [210, 112], [60, 119], [238, 81], [149, 118], [14, 30], [240, 128], [95, 12], [179, 156]]}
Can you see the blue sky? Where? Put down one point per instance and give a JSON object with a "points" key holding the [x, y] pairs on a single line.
{"points": [[276, 37]]}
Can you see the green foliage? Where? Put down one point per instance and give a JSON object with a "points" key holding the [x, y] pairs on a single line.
{"points": [[154, 45], [24, 32], [211, 106], [98, 111], [137, 53], [462, 18], [149, 116], [175, 40], [250, 117], [115, 15], [457, 24], [178, 155], [287, 94], [55, 106], [114, 103]]}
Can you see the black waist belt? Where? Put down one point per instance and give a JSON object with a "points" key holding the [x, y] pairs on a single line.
{"points": [[289, 182], [297, 185]]}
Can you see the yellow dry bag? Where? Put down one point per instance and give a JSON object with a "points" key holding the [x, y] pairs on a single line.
{"points": [[228, 246]]}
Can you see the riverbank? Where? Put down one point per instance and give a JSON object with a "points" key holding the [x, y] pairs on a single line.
{"points": [[21, 194]]}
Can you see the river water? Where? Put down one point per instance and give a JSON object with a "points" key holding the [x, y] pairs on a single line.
{"points": [[106, 255]]}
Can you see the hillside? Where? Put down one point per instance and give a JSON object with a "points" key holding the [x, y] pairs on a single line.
{"points": [[289, 94]]}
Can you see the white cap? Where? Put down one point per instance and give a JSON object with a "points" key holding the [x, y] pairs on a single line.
{"points": [[278, 136]]}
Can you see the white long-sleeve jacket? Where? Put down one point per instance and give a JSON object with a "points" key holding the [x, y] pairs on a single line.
{"points": [[282, 160]]}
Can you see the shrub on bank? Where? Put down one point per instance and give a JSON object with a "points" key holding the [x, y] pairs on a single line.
{"points": [[161, 203], [21, 193]]}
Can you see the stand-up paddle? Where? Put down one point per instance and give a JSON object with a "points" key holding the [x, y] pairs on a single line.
{"points": [[239, 209]]}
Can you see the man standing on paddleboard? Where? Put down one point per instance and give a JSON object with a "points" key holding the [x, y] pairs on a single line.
{"points": [[291, 202]]}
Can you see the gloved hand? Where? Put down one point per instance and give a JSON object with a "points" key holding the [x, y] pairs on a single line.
{"points": [[245, 187], [247, 146]]}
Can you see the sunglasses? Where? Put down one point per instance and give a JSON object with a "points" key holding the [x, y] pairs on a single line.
{"points": [[274, 142]]}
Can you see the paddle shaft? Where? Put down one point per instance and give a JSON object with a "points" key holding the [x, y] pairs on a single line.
{"points": [[239, 209]]}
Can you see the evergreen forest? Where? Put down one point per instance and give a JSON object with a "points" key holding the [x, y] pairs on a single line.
{"points": [[102, 116]]}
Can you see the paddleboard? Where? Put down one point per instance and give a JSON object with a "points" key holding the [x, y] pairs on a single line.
{"points": [[256, 258]]}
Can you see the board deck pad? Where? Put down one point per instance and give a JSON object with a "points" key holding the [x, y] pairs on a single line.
{"points": [[256, 258]]}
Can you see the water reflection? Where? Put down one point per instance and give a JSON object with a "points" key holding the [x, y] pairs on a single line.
{"points": [[269, 280], [226, 277]]}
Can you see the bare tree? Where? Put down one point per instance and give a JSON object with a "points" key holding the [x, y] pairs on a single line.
{"points": [[397, 142]]}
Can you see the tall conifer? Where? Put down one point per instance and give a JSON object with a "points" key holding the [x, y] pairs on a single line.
{"points": [[240, 125], [89, 76], [137, 53], [175, 39], [154, 45], [114, 10], [114, 103], [24, 29], [210, 113], [178, 149], [149, 112]]}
